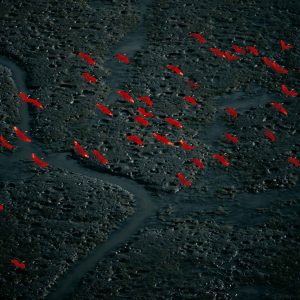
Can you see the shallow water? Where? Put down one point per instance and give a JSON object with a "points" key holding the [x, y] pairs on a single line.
{"points": [[145, 208], [12, 164]]}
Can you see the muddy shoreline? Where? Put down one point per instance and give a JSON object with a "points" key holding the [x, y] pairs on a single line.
{"points": [[130, 229]]}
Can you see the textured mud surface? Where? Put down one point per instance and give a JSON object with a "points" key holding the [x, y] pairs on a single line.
{"points": [[55, 76], [234, 234], [45, 38], [52, 220], [203, 255], [9, 109]]}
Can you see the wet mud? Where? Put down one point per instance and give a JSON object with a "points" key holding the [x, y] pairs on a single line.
{"points": [[130, 229]]}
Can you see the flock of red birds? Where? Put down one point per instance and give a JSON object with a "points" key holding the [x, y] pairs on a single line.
{"points": [[145, 116]]}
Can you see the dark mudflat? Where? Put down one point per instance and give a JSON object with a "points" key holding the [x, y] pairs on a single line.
{"points": [[130, 230]]}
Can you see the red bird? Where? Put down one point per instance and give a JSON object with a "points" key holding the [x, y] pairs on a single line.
{"points": [[221, 159], [147, 100], [21, 135], [294, 161], [5, 143], [183, 180], [162, 139], [218, 52], [231, 138], [125, 95], [145, 113], [175, 69], [141, 120], [268, 62], [193, 85], [231, 57], [285, 46], [39, 161], [288, 93], [80, 150], [253, 50], [135, 139], [23, 96], [1, 207], [88, 77], [274, 65], [122, 58], [232, 112], [87, 58], [198, 163], [32, 101], [278, 69], [104, 109], [17, 264], [100, 157], [35, 103], [174, 122], [186, 146], [280, 108], [238, 49], [190, 99], [270, 135], [198, 36]]}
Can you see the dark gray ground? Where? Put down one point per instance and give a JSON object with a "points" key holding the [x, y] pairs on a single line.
{"points": [[9, 108], [235, 232], [202, 255], [50, 221]]}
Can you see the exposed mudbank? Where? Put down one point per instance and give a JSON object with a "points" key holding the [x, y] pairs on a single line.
{"points": [[232, 234]]}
